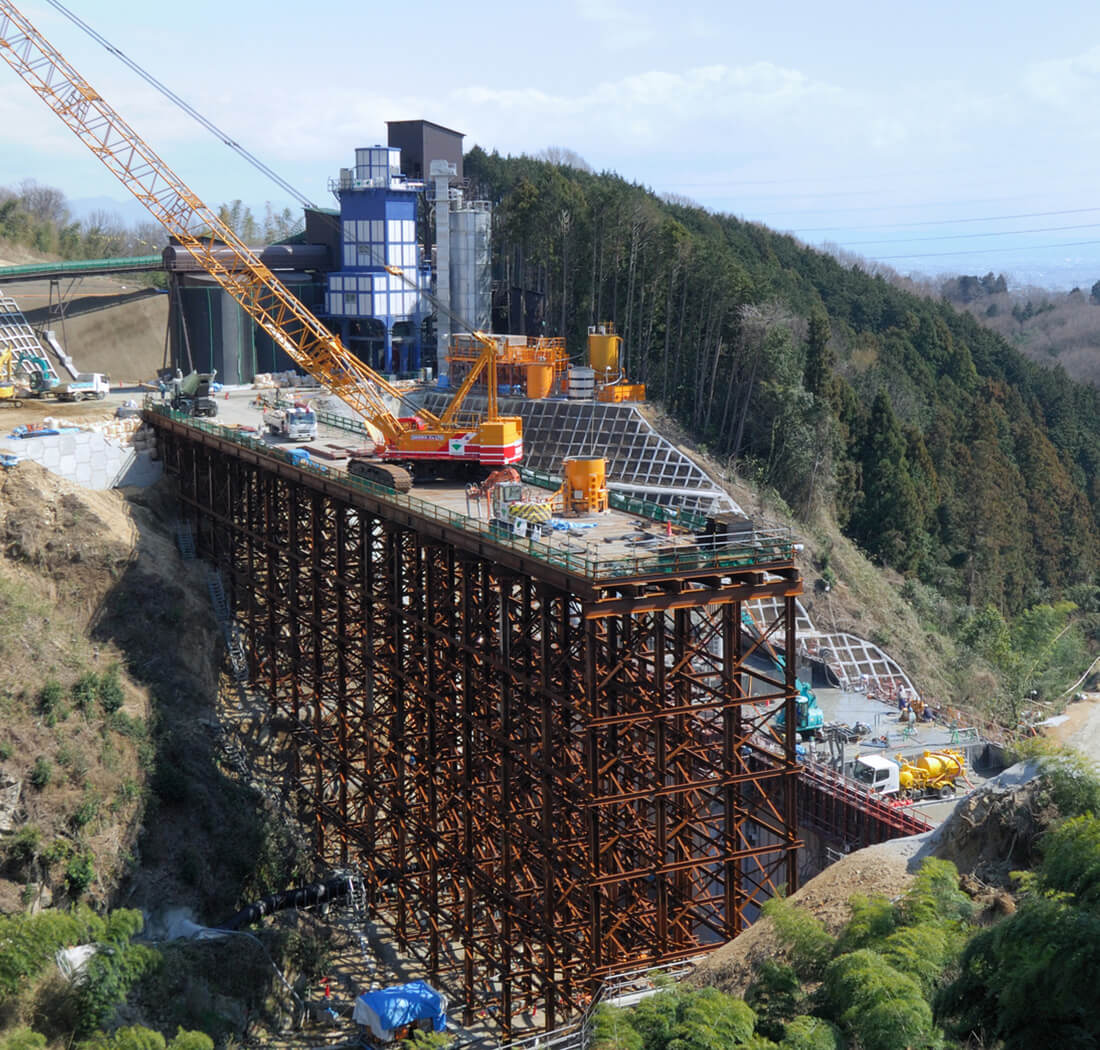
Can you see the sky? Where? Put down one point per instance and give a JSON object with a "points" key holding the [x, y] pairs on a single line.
{"points": [[936, 137]]}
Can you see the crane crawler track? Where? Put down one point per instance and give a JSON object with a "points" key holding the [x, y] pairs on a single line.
{"points": [[388, 475]]}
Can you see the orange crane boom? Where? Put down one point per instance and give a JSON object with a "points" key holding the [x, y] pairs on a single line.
{"points": [[419, 437]]}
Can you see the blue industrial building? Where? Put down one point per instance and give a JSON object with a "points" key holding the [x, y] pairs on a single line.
{"points": [[336, 266], [377, 314]]}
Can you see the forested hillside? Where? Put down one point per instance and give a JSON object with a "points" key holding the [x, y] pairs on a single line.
{"points": [[936, 446]]}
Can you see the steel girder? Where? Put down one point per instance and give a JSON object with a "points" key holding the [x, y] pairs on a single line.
{"points": [[542, 784]]}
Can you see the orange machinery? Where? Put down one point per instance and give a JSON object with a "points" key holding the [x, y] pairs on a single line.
{"points": [[526, 367]]}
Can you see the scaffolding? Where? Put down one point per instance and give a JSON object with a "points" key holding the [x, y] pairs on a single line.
{"points": [[548, 776]]}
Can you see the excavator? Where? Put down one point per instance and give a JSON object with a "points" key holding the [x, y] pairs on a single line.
{"points": [[417, 442]]}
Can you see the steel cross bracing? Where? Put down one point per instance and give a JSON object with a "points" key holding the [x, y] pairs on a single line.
{"points": [[545, 780]]}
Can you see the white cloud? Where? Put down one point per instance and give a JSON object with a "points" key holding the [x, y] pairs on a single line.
{"points": [[1066, 83], [622, 27]]}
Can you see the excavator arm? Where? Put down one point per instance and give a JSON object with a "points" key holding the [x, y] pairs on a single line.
{"points": [[291, 325]]}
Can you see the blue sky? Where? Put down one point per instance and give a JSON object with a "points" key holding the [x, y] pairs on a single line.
{"points": [[938, 137]]}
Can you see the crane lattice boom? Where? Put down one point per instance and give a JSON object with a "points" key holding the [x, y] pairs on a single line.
{"points": [[262, 295]]}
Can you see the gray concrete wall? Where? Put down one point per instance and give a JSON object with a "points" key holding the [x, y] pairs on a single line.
{"points": [[88, 458]]}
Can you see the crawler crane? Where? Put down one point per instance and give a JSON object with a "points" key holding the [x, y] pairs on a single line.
{"points": [[419, 440]]}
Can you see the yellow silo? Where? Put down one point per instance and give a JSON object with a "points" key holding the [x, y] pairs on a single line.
{"points": [[603, 351]]}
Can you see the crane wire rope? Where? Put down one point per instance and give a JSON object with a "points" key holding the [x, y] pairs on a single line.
{"points": [[187, 108]]}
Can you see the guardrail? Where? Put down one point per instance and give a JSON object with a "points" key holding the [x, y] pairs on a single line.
{"points": [[766, 546]]}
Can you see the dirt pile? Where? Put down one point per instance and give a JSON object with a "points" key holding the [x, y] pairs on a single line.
{"points": [[993, 832], [990, 834], [881, 870]]}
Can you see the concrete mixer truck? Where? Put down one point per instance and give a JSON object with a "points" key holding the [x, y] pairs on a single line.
{"points": [[933, 775]]}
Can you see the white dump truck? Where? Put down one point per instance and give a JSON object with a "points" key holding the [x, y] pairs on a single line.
{"points": [[85, 385], [299, 422], [933, 775]]}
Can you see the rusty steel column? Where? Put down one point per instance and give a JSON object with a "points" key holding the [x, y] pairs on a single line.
{"points": [[544, 777]]}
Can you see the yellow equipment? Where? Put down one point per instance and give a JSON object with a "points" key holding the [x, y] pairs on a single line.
{"points": [[7, 379], [605, 357], [585, 487], [935, 772], [419, 438]]}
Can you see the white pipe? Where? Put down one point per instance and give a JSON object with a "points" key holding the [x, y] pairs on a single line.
{"points": [[664, 490]]}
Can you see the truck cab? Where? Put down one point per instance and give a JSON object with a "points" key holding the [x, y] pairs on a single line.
{"points": [[298, 422], [877, 774]]}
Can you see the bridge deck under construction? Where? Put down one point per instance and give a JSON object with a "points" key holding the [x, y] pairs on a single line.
{"points": [[549, 765]]}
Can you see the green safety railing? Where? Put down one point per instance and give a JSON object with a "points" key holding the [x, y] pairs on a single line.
{"points": [[766, 547], [691, 520], [129, 262]]}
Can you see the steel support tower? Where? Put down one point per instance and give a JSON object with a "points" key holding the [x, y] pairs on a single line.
{"points": [[546, 776]]}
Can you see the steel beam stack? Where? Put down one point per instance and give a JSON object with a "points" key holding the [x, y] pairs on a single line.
{"points": [[546, 777]]}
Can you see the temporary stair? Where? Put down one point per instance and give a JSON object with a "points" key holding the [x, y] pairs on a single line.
{"points": [[234, 644], [185, 540]]}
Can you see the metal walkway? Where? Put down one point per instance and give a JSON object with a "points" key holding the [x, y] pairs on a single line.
{"points": [[80, 268]]}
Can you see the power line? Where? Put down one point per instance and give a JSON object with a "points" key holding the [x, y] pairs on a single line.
{"points": [[983, 251], [947, 222], [968, 236], [167, 92]]}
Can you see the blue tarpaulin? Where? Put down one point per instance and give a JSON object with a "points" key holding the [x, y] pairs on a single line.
{"points": [[386, 1010]]}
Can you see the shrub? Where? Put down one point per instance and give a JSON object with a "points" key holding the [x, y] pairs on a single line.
{"points": [[873, 919], [23, 847], [612, 1030], [808, 943], [87, 811], [811, 1033], [882, 1007], [776, 996], [935, 896], [79, 873], [41, 772], [136, 1037], [84, 692], [1071, 861], [7, 749], [111, 696], [57, 851], [22, 1039], [125, 725], [51, 702]]}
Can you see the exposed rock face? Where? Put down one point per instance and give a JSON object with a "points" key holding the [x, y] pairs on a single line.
{"points": [[10, 791]]}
